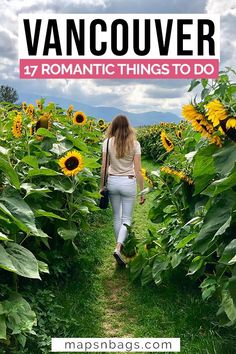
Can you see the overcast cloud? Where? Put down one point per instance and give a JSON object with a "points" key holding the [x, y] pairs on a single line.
{"points": [[131, 95]]}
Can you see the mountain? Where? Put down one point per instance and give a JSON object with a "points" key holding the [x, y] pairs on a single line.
{"points": [[107, 113]]}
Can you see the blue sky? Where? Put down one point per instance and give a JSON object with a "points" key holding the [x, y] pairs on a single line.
{"points": [[130, 95]]}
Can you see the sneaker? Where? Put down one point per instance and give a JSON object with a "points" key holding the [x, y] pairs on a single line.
{"points": [[119, 258]]}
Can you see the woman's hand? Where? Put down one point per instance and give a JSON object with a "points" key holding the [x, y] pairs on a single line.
{"points": [[101, 190], [142, 199]]}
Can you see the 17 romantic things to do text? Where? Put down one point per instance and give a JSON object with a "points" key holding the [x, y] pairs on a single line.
{"points": [[119, 46]]}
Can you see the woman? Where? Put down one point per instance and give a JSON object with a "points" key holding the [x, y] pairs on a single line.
{"points": [[124, 168]]}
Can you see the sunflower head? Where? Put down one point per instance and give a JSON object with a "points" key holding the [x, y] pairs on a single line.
{"points": [[72, 163], [216, 112], [17, 126], [178, 133], [79, 118], [101, 122], [69, 110], [24, 106], [30, 111], [228, 126], [39, 104], [166, 142]]}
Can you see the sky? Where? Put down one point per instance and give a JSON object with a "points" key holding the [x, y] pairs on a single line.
{"points": [[130, 95]]}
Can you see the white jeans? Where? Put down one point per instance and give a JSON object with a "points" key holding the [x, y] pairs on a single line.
{"points": [[122, 193]]}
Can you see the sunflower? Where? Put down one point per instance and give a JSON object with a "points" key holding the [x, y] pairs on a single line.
{"points": [[166, 142], [179, 174], [79, 118], [43, 122], [24, 106], [39, 104], [17, 126], [101, 122], [103, 127], [71, 163], [178, 133], [200, 123], [216, 112], [231, 123], [69, 110], [30, 111], [145, 176]]}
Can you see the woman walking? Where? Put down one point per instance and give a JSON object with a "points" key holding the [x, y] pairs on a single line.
{"points": [[124, 169]]}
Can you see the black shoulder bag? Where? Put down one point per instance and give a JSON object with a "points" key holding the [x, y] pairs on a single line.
{"points": [[104, 200]]}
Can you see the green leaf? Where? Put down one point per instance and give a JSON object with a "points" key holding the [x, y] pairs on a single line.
{"points": [[193, 84], [229, 252], [3, 327], [11, 174], [23, 261], [216, 221], [146, 276], [221, 185], [45, 132], [41, 212], [78, 143], [176, 260], [3, 150], [195, 265], [4, 237], [225, 159], [204, 93], [20, 317], [204, 82], [61, 147], [5, 261], [43, 267], [158, 267], [31, 161], [42, 172], [228, 305], [186, 240], [203, 176], [15, 207], [91, 163], [136, 266], [32, 189], [67, 234]]}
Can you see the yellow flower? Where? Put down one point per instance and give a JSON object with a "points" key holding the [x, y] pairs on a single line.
{"points": [[178, 133], [39, 104], [43, 122], [69, 110], [101, 122], [79, 118], [71, 163], [17, 126], [216, 112], [179, 174], [199, 123], [24, 106], [166, 142], [231, 123], [30, 110]]}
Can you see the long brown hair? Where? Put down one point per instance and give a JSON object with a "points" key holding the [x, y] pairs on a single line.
{"points": [[124, 135]]}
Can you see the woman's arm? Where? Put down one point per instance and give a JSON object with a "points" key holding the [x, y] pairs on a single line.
{"points": [[103, 170], [138, 174]]}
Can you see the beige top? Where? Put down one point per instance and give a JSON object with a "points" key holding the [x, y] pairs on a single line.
{"points": [[123, 166]]}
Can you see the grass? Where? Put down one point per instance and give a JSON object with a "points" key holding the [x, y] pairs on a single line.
{"points": [[104, 302]]}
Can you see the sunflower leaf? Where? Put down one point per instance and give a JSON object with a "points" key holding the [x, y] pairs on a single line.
{"points": [[11, 174], [45, 132]]}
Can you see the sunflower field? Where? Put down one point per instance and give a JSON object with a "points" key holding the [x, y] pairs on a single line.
{"points": [[194, 204], [49, 174]]}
